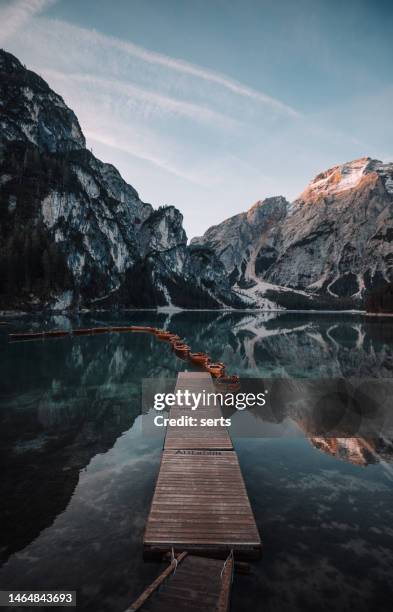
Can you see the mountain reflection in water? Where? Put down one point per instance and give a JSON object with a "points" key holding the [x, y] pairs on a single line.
{"points": [[77, 473]]}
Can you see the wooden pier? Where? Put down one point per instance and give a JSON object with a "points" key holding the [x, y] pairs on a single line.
{"points": [[197, 438], [200, 513], [189, 584], [200, 502]]}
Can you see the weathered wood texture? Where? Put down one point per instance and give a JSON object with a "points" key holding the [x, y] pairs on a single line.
{"points": [[224, 598], [198, 585], [200, 502], [178, 437], [155, 585]]}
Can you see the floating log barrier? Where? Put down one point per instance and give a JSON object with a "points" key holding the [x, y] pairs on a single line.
{"points": [[82, 331], [39, 335], [100, 330], [57, 334], [27, 336], [121, 328]]}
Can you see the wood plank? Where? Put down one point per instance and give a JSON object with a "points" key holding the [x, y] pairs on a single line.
{"points": [[196, 437], [198, 584], [142, 599], [191, 516], [200, 503], [226, 585]]}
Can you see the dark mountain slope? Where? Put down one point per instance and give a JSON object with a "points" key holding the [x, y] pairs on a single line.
{"points": [[73, 233]]}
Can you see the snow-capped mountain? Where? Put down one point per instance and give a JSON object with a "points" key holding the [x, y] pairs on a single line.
{"points": [[326, 249], [73, 232]]}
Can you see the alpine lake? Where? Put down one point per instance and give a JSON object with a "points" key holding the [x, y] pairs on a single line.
{"points": [[78, 473]]}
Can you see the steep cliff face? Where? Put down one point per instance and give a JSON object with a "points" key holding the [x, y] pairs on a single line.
{"points": [[238, 240], [338, 235], [31, 111], [73, 232], [326, 249]]}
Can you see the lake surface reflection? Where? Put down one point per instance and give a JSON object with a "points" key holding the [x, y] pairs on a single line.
{"points": [[78, 475]]}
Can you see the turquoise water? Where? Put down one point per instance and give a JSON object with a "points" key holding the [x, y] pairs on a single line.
{"points": [[78, 475]]}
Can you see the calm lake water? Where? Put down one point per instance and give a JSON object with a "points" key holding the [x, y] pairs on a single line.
{"points": [[77, 475]]}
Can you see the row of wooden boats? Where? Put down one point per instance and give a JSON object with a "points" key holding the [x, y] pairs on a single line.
{"points": [[181, 349], [217, 370]]}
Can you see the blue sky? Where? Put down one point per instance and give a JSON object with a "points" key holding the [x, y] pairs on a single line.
{"points": [[211, 105]]}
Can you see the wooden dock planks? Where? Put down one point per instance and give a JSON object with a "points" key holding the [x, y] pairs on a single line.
{"points": [[196, 437], [198, 584], [200, 502]]}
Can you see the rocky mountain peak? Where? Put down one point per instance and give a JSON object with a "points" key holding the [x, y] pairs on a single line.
{"points": [[275, 206], [73, 233], [327, 249], [348, 176], [9, 63], [31, 110]]}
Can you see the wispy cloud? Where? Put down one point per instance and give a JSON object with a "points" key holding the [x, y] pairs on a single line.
{"points": [[178, 131], [110, 82], [17, 13], [199, 72], [122, 142], [129, 119], [126, 51], [195, 136], [138, 96]]}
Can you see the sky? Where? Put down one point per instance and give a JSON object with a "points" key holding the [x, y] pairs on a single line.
{"points": [[211, 105]]}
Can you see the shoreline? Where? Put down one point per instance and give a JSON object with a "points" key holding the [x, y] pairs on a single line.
{"points": [[159, 310]]}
